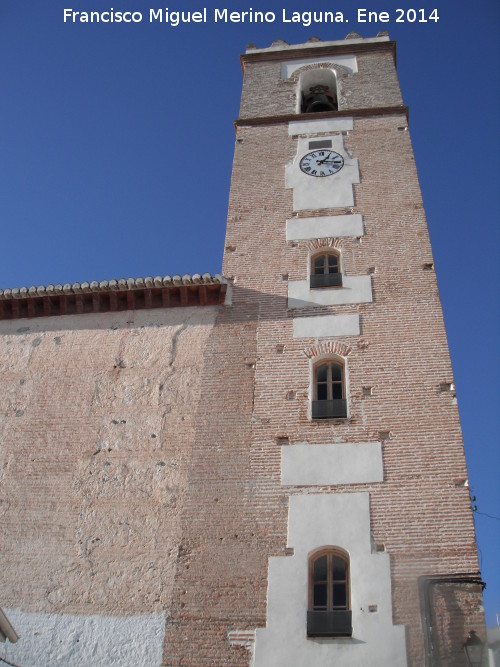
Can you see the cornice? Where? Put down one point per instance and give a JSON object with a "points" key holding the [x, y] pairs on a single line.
{"points": [[353, 113], [314, 50]]}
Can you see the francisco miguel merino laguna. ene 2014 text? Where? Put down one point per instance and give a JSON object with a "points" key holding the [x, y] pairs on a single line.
{"points": [[223, 15]]}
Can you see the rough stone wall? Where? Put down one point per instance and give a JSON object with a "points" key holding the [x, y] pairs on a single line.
{"points": [[97, 424]]}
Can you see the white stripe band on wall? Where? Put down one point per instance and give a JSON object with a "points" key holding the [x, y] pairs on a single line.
{"points": [[346, 463], [330, 226], [326, 326], [324, 125], [355, 289]]}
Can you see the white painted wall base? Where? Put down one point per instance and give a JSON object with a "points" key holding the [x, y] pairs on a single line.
{"points": [[341, 520], [64, 640]]}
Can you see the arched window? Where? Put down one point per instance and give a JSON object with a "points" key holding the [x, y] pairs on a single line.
{"points": [[329, 612], [329, 390], [318, 91], [325, 270]]}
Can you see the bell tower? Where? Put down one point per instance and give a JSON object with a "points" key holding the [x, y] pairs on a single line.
{"points": [[356, 469]]}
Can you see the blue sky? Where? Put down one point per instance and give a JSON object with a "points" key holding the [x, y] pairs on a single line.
{"points": [[95, 117]]}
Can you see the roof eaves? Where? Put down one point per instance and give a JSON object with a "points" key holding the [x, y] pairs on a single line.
{"points": [[113, 295]]}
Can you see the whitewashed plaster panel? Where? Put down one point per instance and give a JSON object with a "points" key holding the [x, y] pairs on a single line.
{"points": [[355, 289], [53, 640], [332, 191], [288, 67], [202, 315], [342, 463], [327, 226], [323, 125], [315, 521], [228, 299], [326, 326]]}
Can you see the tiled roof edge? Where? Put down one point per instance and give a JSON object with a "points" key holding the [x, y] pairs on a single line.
{"points": [[113, 285]]}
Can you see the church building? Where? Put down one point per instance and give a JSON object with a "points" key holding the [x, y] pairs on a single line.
{"points": [[262, 468]]}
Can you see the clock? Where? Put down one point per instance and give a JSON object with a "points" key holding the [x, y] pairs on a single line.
{"points": [[321, 163]]}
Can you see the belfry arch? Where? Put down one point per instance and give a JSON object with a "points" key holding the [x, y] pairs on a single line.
{"points": [[317, 90]]}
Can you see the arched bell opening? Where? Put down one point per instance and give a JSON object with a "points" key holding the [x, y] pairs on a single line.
{"points": [[318, 91]]}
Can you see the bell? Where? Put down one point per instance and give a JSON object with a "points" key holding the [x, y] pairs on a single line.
{"points": [[319, 102]]}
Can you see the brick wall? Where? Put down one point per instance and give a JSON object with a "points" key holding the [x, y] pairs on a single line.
{"points": [[375, 84]]}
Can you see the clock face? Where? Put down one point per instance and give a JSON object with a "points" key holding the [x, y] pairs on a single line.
{"points": [[321, 163]]}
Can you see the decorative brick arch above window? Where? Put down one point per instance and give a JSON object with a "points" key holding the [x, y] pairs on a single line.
{"points": [[341, 71], [330, 348], [325, 243], [329, 613]]}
